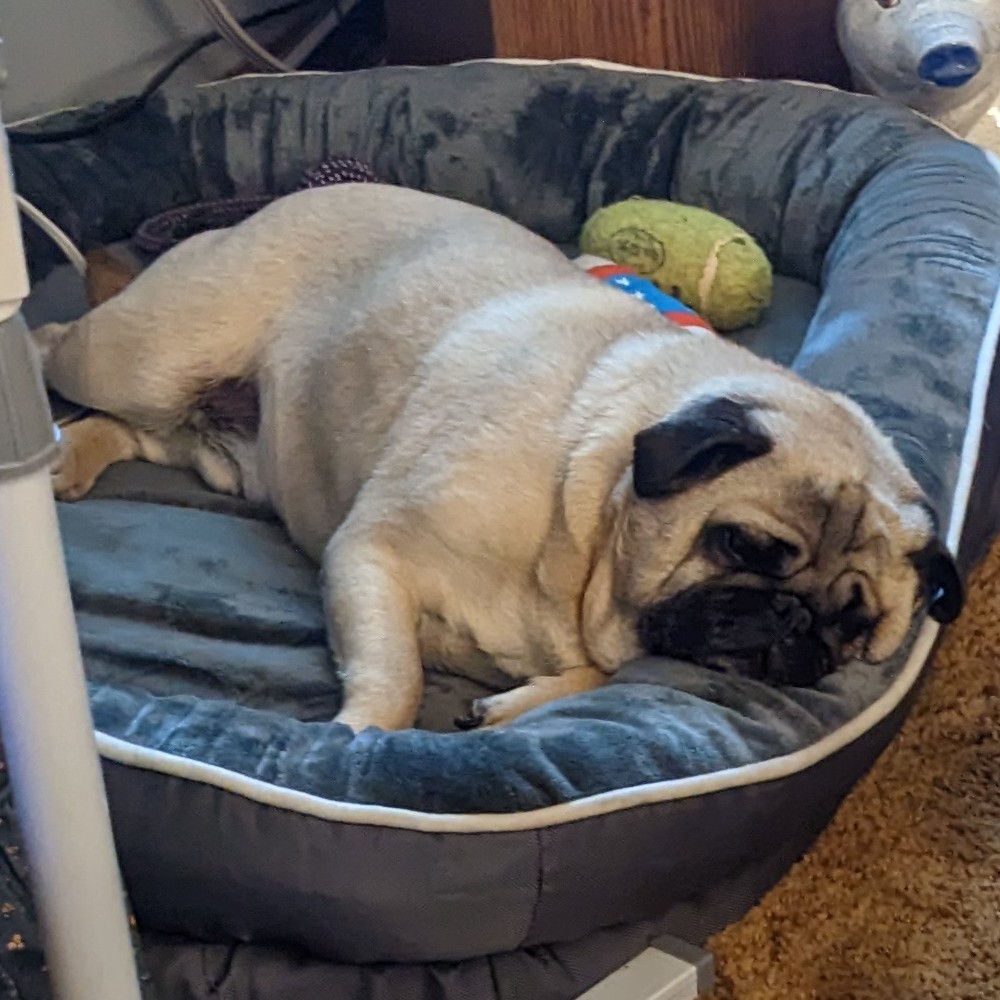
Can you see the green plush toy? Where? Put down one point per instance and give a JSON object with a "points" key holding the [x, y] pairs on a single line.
{"points": [[707, 262]]}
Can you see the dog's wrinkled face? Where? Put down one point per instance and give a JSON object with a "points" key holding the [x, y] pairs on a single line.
{"points": [[777, 536]]}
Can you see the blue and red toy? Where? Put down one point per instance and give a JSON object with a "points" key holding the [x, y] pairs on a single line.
{"points": [[642, 288]]}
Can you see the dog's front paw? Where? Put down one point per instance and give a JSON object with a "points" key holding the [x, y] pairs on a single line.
{"points": [[497, 709], [354, 720], [361, 717], [474, 717]]}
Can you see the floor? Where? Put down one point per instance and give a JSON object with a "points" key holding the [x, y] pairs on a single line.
{"points": [[987, 132]]}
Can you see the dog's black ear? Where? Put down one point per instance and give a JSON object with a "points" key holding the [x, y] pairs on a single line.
{"points": [[700, 442], [942, 583]]}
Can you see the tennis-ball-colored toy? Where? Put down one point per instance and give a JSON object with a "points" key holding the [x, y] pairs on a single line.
{"points": [[707, 262]]}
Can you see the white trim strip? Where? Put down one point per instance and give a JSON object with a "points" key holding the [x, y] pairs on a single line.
{"points": [[121, 752], [977, 406]]}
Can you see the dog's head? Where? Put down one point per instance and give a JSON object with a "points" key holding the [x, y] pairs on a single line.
{"points": [[777, 535]]}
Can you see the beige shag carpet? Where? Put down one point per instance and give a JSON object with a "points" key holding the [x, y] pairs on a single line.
{"points": [[900, 897]]}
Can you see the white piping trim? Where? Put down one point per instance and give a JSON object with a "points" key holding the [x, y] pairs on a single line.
{"points": [[121, 752], [977, 405]]}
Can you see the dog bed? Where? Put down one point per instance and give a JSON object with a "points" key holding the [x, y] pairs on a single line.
{"points": [[270, 853]]}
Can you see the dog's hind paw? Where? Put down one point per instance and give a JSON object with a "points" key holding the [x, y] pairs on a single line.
{"points": [[86, 449], [72, 476]]}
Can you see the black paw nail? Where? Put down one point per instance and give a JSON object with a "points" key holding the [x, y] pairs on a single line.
{"points": [[472, 719]]}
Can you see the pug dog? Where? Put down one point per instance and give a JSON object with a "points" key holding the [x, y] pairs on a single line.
{"points": [[498, 459]]}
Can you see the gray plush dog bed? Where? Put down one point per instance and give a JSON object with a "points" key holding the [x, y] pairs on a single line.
{"points": [[531, 860]]}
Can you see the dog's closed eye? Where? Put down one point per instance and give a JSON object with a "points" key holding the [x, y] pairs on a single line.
{"points": [[740, 549]]}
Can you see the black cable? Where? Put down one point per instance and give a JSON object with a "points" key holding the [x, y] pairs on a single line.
{"points": [[122, 109]]}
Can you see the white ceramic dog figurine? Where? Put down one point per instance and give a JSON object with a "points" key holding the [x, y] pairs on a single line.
{"points": [[939, 57]]}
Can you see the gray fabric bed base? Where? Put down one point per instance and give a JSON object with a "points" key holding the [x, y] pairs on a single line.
{"points": [[185, 969]]}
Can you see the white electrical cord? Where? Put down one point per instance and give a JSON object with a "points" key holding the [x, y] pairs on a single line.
{"points": [[234, 33], [74, 256], [61, 240]]}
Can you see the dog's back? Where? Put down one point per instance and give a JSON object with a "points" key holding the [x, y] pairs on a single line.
{"points": [[211, 305], [389, 333]]}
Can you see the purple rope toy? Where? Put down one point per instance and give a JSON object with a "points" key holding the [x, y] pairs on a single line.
{"points": [[159, 233]]}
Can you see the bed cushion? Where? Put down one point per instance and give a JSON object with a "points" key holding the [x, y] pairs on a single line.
{"points": [[242, 813]]}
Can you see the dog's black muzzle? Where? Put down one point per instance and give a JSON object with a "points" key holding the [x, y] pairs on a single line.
{"points": [[768, 635]]}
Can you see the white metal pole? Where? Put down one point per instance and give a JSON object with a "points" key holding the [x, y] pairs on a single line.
{"points": [[44, 711], [48, 735]]}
